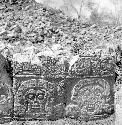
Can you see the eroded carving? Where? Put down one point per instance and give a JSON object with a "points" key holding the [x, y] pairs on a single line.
{"points": [[81, 67], [90, 96], [103, 67], [39, 99], [31, 97]]}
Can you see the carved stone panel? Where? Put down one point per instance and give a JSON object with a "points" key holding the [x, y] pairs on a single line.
{"points": [[37, 99], [85, 92], [81, 68], [30, 99], [103, 67], [90, 99]]}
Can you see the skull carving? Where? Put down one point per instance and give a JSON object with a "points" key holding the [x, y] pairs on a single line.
{"points": [[35, 98], [31, 97]]}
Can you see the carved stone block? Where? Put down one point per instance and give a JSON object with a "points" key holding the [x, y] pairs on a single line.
{"points": [[51, 92], [81, 68], [90, 98], [36, 98]]}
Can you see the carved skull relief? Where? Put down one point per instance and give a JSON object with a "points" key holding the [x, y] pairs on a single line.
{"points": [[34, 98], [90, 95], [31, 97]]}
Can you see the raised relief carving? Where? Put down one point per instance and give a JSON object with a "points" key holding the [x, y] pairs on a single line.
{"points": [[92, 67], [81, 67], [103, 67], [26, 68], [30, 99], [89, 96], [45, 97], [39, 99]]}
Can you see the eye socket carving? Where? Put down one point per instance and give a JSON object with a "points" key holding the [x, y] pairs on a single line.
{"points": [[30, 96], [40, 96]]}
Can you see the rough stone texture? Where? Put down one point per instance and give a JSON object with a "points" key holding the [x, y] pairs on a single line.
{"points": [[6, 95]]}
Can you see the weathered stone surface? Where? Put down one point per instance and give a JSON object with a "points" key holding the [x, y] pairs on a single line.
{"points": [[6, 95]]}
